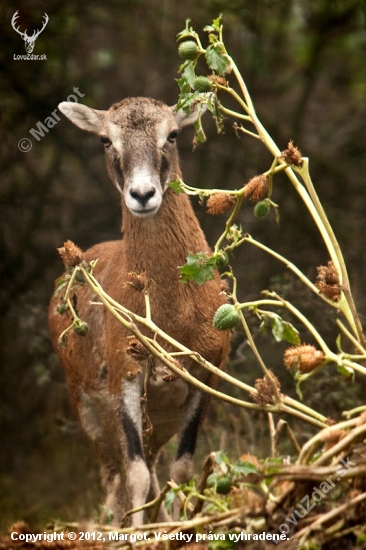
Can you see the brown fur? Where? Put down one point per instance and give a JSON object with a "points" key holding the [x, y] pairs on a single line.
{"points": [[97, 367]]}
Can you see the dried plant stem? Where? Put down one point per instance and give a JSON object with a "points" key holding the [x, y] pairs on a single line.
{"points": [[350, 312], [341, 445], [314, 473], [254, 349], [246, 131], [309, 197], [155, 504], [234, 113], [329, 355], [229, 222], [279, 428], [352, 412], [272, 434], [289, 265], [195, 191], [309, 447], [355, 342], [305, 413], [304, 533], [207, 469]]}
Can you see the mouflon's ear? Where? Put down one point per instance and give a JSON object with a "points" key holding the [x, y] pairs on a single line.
{"points": [[84, 117], [183, 119]]}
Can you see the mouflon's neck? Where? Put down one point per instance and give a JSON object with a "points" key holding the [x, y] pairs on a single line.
{"points": [[160, 244]]}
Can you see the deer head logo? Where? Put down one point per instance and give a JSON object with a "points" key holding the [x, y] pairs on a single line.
{"points": [[29, 40]]}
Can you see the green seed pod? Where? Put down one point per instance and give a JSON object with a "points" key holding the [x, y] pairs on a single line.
{"points": [[80, 327], [202, 84], [62, 308], [221, 259], [223, 485], [188, 50], [79, 277], [262, 208], [212, 480], [226, 317]]}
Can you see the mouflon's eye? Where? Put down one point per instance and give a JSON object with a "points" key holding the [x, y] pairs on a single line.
{"points": [[172, 136], [106, 141]]}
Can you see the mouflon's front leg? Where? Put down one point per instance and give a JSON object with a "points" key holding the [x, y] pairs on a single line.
{"points": [[130, 423], [181, 469]]}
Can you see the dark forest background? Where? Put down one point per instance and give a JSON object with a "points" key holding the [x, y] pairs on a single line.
{"points": [[304, 64]]}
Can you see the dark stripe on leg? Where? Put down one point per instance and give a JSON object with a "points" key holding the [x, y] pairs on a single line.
{"points": [[134, 445], [188, 439]]}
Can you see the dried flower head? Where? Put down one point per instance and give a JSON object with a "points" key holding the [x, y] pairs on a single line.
{"points": [[219, 203], [246, 498], [137, 280], [257, 188], [305, 358], [327, 282], [169, 374], [215, 79], [70, 254], [136, 349], [292, 155], [132, 371], [332, 437], [265, 395]]}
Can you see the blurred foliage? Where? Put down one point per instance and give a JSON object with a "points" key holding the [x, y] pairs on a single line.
{"points": [[304, 64]]}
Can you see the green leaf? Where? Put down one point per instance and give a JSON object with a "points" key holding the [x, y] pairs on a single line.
{"points": [[177, 186], [213, 105], [186, 32], [347, 372], [221, 258], [212, 479], [61, 284], [169, 499], [216, 24], [282, 330], [263, 326], [189, 73], [244, 468], [222, 460], [186, 97], [200, 136], [183, 86], [199, 268], [217, 60]]}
